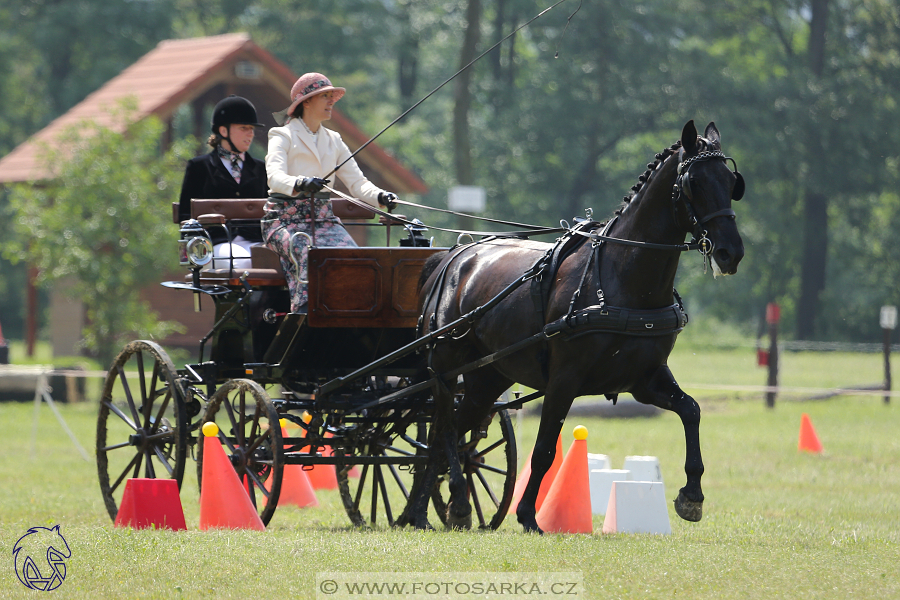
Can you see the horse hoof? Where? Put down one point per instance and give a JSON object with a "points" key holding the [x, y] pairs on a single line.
{"points": [[534, 529], [459, 521], [689, 510], [531, 526]]}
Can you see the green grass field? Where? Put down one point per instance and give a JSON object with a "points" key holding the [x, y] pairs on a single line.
{"points": [[777, 523]]}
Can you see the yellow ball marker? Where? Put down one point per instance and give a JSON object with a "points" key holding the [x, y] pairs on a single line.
{"points": [[210, 429], [580, 432]]}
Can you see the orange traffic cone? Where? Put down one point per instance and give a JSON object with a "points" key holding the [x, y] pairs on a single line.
{"points": [[223, 500], [567, 507], [522, 481], [322, 477], [296, 488], [151, 503], [809, 441]]}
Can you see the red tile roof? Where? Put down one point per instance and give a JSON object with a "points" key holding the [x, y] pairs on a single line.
{"points": [[176, 72]]}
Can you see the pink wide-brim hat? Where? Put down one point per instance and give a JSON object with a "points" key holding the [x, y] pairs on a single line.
{"points": [[309, 85]]}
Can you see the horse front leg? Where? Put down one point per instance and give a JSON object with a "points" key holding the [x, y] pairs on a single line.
{"points": [[662, 390], [553, 415]]}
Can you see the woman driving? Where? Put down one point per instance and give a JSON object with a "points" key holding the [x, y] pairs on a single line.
{"points": [[300, 155]]}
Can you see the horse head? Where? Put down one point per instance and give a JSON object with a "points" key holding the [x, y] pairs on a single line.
{"points": [[702, 197]]}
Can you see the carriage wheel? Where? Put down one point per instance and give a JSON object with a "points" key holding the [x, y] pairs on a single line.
{"points": [[142, 428], [251, 437], [374, 494], [488, 460]]}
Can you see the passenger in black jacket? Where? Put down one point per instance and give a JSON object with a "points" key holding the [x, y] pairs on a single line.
{"points": [[227, 172]]}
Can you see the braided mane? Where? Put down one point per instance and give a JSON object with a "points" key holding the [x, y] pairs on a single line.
{"points": [[636, 188]]}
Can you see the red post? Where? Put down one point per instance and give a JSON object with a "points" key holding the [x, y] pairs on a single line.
{"points": [[31, 311], [773, 315], [4, 350], [888, 321]]}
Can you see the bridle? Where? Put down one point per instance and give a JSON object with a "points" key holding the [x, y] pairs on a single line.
{"points": [[682, 195]]}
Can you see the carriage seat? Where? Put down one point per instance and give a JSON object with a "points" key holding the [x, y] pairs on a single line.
{"points": [[265, 271]]}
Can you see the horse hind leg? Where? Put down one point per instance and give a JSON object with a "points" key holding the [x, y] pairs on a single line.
{"points": [[663, 391], [444, 442]]}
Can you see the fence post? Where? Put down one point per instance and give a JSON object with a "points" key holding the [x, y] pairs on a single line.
{"points": [[773, 315], [888, 323]]}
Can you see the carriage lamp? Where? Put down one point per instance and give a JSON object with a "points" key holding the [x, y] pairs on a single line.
{"points": [[416, 237], [195, 247]]}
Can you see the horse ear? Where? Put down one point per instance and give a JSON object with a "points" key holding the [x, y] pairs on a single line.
{"points": [[689, 138], [712, 134]]}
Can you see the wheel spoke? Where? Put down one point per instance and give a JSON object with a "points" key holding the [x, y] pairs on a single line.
{"points": [[473, 494], [119, 414], [163, 460], [115, 447], [124, 473], [230, 411], [376, 476], [160, 436], [162, 410], [145, 405], [487, 488], [399, 481], [154, 379], [255, 427], [258, 441], [127, 390], [148, 467], [493, 446], [361, 487], [137, 465], [256, 483], [225, 440], [492, 469], [384, 497]]}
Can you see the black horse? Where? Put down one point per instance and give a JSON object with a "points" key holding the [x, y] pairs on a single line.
{"points": [[612, 316]]}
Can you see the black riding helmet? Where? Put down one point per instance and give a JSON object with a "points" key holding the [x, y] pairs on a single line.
{"points": [[233, 110]]}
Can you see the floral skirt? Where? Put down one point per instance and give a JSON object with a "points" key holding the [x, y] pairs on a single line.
{"points": [[285, 217]]}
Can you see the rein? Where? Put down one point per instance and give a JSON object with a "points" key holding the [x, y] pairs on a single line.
{"points": [[535, 230], [680, 191]]}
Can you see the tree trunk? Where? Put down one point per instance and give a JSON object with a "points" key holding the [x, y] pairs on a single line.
{"points": [[494, 57], [815, 203], [815, 248], [408, 59], [463, 97]]}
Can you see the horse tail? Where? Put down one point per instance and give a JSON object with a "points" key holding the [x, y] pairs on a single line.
{"points": [[431, 263]]}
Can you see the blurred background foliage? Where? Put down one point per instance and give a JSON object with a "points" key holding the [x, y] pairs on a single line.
{"points": [[804, 93]]}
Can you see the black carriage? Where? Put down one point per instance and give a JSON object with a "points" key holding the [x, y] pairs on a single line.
{"points": [[341, 387]]}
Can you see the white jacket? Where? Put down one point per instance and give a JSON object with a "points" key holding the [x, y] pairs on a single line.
{"points": [[293, 153]]}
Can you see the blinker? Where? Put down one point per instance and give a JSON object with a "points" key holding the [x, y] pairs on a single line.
{"points": [[738, 192]]}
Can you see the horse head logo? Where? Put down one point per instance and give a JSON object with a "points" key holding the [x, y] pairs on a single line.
{"points": [[40, 557]]}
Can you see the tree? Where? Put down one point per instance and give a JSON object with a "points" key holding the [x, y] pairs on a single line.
{"points": [[100, 220], [463, 96]]}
